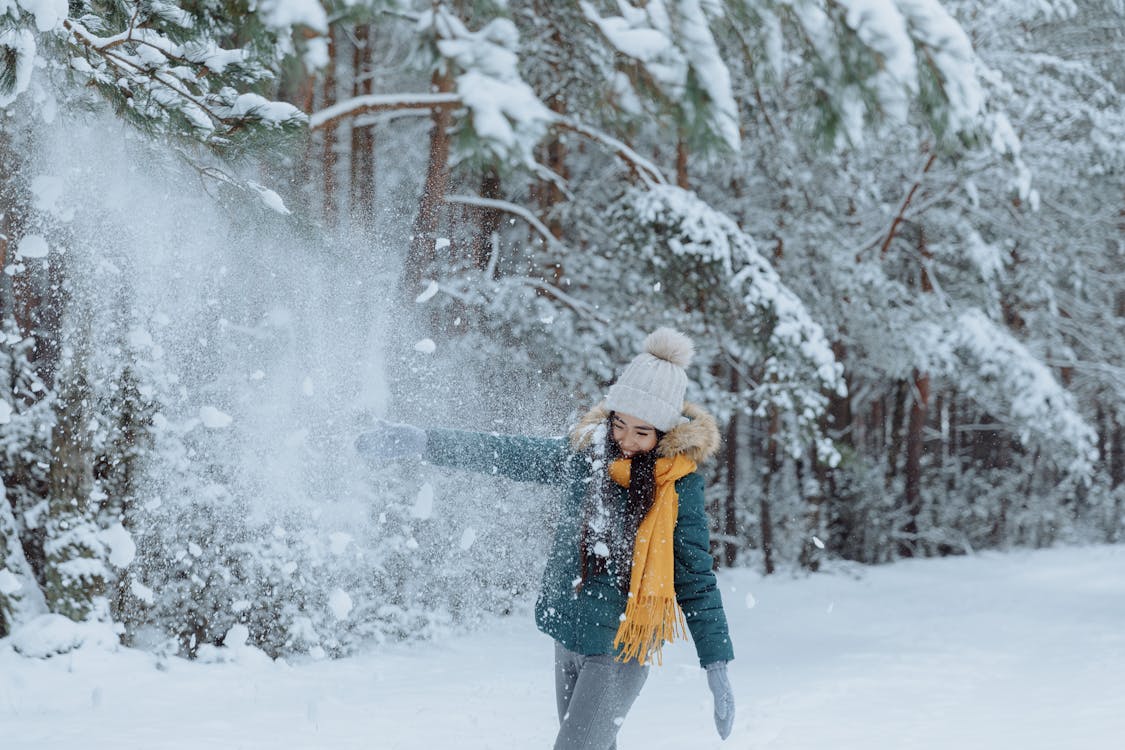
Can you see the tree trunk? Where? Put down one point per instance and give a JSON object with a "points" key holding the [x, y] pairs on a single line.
{"points": [[936, 446], [48, 333], [489, 221], [840, 407], [773, 463], [549, 193], [730, 515], [76, 573], [1116, 452], [30, 297], [35, 298], [303, 96], [682, 163], [423, 242], [902, 392], [915, 444], [329, 157], [10, 219], [1117, 417], [877, 431], [767, 535], [27, 303], [1116, 476], [812, 545], [362, 188], [953, 446]]}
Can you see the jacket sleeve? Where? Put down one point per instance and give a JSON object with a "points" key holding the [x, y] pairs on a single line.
{"points": [[697, 590], [518, 457]]}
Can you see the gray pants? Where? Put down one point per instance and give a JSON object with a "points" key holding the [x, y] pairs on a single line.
{"points": [[593, 694]]}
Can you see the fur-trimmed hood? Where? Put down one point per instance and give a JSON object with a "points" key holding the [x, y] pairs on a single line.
{"points": [[697, 438]]}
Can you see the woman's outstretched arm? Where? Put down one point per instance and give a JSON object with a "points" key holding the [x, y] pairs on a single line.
{"points": [[518, 457]]}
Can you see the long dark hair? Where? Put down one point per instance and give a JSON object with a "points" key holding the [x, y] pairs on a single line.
{"points": [[639, 499]]}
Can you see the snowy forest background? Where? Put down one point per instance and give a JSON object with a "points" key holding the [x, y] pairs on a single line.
{"points": [[236, 232]]}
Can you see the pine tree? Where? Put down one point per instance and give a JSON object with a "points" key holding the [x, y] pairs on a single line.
{"points": [[26, 420], [20, 596], [77, 574]]}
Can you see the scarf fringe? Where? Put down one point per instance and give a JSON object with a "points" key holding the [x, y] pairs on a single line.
{"points": [[652, 615], [649, 622]]}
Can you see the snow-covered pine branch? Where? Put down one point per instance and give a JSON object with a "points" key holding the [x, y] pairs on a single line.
{"points": [[695, 250], [506, 119], [1002, 374], [367, 104], [512, 208], [20, 596], [163, 68], [879, 59], [643, 168], [672, 44]]}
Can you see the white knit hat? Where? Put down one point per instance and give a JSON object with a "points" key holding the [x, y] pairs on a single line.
{"points": [[651, 388]]}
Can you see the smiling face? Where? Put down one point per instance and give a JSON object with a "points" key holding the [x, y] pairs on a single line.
{"points": [[632, 435]]}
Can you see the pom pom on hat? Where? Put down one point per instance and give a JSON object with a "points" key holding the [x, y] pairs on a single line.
{"points": [[671, 346], [651, 387]]}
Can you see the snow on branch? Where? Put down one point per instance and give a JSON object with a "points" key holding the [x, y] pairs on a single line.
{"points": [[504, 112], [17, 46], [508, 288], [673, 44], [883, 57], [163, 69], [145, 71], [362, 105], [701, 233], [511, 208], [641, 167], [695, 250], [1039, 408], [188, 87], [944, 47]]}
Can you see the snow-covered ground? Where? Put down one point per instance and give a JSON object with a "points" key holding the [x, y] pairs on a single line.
{"points": [[1024, 650]]}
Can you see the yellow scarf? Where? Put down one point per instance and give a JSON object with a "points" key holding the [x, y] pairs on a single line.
{"points": [[651, 613]]}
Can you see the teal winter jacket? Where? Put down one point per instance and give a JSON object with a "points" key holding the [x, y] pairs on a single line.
{"points": [[585, 620]]}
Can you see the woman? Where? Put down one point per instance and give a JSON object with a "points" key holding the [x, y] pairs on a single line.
{"points": [[630, 565]]}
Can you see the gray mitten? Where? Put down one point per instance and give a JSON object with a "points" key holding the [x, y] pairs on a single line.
{"points": [[391, 440], [724, 697]]}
